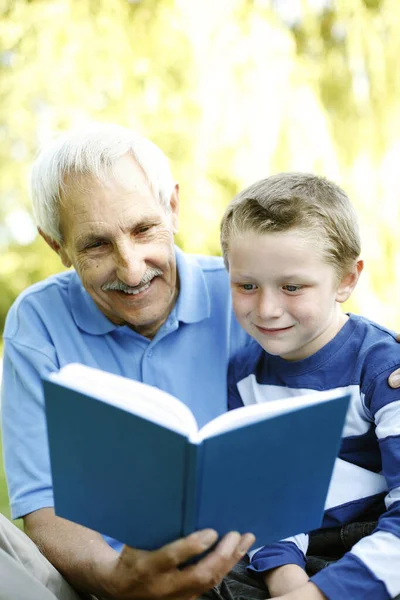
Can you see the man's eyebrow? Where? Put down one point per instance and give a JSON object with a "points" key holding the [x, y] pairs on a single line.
{"points": [[96, 235], [87, 239]]}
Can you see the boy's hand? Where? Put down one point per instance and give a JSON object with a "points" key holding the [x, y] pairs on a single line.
{"points": [[285, 579]]}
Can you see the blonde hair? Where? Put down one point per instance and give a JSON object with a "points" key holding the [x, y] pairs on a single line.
{"points": [[312, 204], [92, 151]]}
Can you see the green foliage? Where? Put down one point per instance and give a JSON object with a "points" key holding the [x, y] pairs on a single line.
{"points": [[231, 90], [4, 507], [23, 265]]}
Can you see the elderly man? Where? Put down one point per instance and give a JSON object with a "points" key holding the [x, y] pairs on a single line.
{"points": [[135, 305]]}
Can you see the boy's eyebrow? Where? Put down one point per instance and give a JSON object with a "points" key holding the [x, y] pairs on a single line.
{"points": [[281, 277], [241, 275]]}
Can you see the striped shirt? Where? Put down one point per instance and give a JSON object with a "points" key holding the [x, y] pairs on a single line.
{"points": [[366, 478]]}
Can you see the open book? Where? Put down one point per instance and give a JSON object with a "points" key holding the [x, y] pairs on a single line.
{"points": [[129, 460]]}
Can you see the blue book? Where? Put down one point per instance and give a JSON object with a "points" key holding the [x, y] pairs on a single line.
{"points": [[129, 461]]}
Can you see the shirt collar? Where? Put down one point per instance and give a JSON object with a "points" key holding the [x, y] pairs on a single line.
{"points": [[87, 315], [193, 302]]}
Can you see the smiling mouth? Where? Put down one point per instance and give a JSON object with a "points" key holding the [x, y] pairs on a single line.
{"points": [[273, 331], [134, 291]]}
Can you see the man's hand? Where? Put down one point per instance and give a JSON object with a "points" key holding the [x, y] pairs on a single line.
{"points": [[394, 378], [137, 574], [91, 565]]}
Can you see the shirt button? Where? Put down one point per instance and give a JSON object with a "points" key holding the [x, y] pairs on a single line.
{"points": [[150, 354]]}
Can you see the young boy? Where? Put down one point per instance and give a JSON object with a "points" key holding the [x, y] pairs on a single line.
{"points": [[291, 245]]}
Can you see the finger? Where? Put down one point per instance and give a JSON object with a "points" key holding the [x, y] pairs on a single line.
{"points": [[232, 547], [210, 570], [394, 378], [176, 553]]}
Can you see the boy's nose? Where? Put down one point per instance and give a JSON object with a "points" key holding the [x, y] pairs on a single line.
{"points": [[269, 306]]}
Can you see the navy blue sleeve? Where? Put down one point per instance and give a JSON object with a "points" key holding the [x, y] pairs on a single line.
{"points": [[234, 398]]}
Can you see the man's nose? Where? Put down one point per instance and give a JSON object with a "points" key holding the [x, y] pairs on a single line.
{"points": [[130, 263], [269, 306]]}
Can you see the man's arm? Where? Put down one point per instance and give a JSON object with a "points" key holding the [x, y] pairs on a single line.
{"points": [[91, 565]]}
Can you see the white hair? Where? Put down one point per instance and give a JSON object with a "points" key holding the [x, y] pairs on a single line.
{"points": [[94, 151]]}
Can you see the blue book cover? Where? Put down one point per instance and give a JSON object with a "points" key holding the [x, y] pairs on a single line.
{"points": [[119, 469]]}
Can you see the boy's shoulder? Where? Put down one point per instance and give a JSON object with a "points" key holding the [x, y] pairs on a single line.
{"points": [[373, 336], [378, 350], [245, 361]]}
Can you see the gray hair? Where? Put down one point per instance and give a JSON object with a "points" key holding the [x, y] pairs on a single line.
{"points": [[92, 151]]}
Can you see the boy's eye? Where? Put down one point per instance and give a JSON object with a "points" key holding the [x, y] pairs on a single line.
{"points": [[247, 287], [292, 288]]}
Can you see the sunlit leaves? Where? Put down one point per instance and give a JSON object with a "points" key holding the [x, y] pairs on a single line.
{"points": [[232, 90]]}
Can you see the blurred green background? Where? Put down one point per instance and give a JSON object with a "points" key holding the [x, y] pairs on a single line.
{"points": [[231, 90]]}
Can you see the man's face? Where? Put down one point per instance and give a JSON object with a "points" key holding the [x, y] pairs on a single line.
{"points": [[120, 241], [284, 293]]}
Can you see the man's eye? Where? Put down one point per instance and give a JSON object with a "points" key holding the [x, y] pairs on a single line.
{"points": [[96, 244], [144, 229]]}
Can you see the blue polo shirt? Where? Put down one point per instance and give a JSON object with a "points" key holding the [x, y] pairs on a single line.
{"points": [[56, 322]]}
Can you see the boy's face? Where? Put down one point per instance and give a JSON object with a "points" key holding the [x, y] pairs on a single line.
{"points": [[285, 295]]}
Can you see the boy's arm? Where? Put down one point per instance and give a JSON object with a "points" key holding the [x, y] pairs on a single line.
{"points": [[309, 591], [282, 576], [284, 579], [370, 568]]}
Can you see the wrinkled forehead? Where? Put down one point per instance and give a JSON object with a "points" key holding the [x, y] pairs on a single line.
{"points": [[125, 172], [121, 199]]}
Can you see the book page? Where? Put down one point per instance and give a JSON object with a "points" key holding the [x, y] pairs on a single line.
{"points": [[132, 396], [266, 410]]}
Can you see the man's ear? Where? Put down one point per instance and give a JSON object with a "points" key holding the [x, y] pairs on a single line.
{"points": [[174, 208], [58, 248], [349, 282]]}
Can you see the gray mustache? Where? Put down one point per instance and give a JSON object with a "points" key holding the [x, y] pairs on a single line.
{"points": [[119, 286]]}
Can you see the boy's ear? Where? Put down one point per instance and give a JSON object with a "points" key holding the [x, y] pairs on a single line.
{"points": [[349, 282], [58, 248]]}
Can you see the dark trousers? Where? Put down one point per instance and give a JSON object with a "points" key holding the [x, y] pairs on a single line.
{"points": [[325, 547]]}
